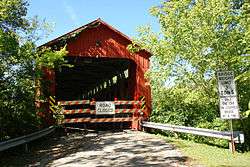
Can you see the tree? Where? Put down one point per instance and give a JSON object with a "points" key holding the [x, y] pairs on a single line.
{"points": [[20, 63], [197, 39]]}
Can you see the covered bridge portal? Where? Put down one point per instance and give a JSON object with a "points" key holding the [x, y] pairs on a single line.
{"points": [[102, 79], [103, 69]]}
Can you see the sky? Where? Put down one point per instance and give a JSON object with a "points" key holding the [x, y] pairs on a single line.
{"points": [[66, 15]]}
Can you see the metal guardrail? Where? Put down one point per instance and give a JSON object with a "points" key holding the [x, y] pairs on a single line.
{"points": [[238, 136], [25, 139]]}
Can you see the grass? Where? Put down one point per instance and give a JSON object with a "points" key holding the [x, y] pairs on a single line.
{"points": [[203, 154]]}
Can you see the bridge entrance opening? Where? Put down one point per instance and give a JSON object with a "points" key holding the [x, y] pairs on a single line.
{"points": [[102, 79], [96, 79]]}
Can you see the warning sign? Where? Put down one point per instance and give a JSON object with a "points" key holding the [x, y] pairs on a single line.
{"points": [[105, 107], [229, 108], [226, 83]]}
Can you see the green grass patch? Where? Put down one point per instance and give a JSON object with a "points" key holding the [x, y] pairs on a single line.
{"points": [[207, 155]]}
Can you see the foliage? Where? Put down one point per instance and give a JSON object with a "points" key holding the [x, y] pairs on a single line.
{"points": [[201, 154], [20, 61], [12, 15], [197, 39], [58, 114], [51, 59]]}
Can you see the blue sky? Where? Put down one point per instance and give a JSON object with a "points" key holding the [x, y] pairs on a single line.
{"points": [[67, 15]]}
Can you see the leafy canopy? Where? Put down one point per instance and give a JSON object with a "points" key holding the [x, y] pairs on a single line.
{"points": [[196, 39], [20, 62]]}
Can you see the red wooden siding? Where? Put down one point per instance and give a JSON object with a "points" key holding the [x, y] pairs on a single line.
{"points": [[112, 44]]}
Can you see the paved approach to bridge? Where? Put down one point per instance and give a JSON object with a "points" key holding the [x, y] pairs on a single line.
{"points": [[127, 148]]}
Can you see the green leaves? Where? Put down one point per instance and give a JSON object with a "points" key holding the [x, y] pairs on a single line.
{"points": [[197, 38], [12, 15], [51, 59], [20, 64]]}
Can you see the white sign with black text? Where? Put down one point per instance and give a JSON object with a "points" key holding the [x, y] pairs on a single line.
{"points": [[105, 107], [226, 83], [229, 108]]}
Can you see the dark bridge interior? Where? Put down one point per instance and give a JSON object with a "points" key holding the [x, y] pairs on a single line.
{"points": [[98, 78]]}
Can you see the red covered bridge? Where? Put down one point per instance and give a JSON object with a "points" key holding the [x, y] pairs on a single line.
{"points": [[103, 70]]}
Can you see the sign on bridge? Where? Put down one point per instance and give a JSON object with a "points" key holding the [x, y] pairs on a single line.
{"points": [[229, 108], [105, 107]]}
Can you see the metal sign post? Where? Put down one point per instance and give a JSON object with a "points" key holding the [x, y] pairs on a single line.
{"points": [[229, 108]]}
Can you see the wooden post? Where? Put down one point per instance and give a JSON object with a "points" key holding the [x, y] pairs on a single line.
{"points": [[232, 144]]}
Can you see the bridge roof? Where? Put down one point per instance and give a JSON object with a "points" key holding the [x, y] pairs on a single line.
{"points": [[93, 24]]}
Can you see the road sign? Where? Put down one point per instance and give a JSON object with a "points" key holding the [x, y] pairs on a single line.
{"points": [[229, 108], [226, 83], [105, 107]]}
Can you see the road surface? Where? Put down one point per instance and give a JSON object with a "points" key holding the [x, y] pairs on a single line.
{"points": [[126, 148]]}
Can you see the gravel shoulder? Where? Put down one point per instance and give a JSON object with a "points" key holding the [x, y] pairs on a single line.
{"points": [[126, 148]]}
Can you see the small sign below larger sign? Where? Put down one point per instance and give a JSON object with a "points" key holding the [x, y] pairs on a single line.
{"points": [[105, 107], [229, 108]]}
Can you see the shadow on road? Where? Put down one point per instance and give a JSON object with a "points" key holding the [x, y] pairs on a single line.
{"points": [[96, 149]]}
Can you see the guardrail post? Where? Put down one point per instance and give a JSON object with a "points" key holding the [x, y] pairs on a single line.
{"points": [[232, 136], [26, 149]]}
